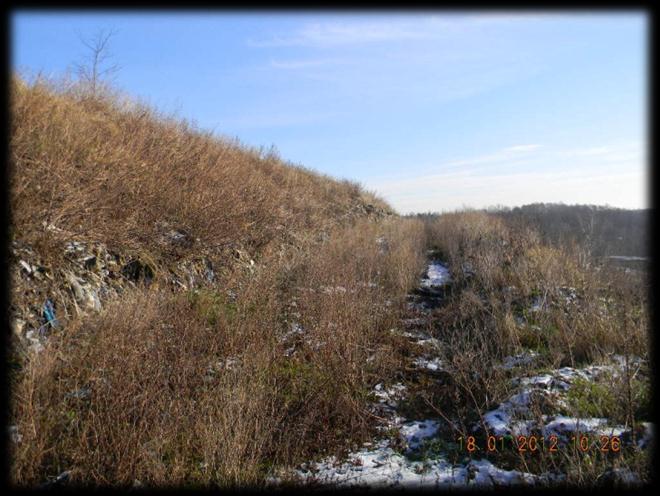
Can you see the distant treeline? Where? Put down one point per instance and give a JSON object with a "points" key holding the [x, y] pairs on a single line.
{"points": [[604, 230]]}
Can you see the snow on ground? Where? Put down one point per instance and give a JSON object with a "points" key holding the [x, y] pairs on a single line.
{"points": [[381, 464], [430, 364], [419, 338], [564, 425], [416, 432], [401, 460], [515, 416], [437, 275], [390, 396], [383, 467], [506, 418]]}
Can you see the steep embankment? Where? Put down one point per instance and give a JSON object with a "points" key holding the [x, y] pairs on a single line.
{"points": [[103, 192], [185, 309]]}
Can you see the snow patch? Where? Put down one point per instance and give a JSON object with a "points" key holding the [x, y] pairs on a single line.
{"points": [[436, 275], [433, 364], [416, 432]]}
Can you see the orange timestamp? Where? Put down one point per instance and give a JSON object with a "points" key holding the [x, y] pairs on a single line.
{"points": [[535, 444]]}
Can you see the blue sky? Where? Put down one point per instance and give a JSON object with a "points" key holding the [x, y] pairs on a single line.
{"points": [[434, 111]]}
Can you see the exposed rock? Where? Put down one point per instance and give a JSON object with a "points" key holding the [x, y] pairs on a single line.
{"points": [[14, 435], [136, 271], [17, 326], [81, 394]]}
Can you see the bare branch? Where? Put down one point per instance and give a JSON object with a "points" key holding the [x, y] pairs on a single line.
{"points": [[91, 70]]}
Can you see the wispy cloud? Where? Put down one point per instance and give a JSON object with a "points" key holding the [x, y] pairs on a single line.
{"points": [[521, 148], [306, 63], [508, 155], [336, 33], [275, 119], [415, 27], [494, 179]]}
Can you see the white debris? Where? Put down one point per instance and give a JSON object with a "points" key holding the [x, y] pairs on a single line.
{"points": [[17, 326], [26, 266], [333, 289], [14, 435], [35, 344]]}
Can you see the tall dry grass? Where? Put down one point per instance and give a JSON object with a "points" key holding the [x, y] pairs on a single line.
{"points": [[502, 271], [513, 293], [204, 389], [205, 386], [117, 171]]}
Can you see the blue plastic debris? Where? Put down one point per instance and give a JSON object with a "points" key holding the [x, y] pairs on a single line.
{"points": [[49, 314]]}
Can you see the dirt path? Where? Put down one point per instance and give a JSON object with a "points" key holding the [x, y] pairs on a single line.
{"points": [[419, 448], [402, 457]]}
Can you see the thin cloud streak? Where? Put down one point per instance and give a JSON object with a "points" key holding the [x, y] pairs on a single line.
{"points": [[626, 190], [306, 63], [591, 174], [424, 27]]}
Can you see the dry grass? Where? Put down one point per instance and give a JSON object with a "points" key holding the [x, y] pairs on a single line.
{"points": [[164, 410], [206, 386], [272, 363], [500, 272], [117, 171]]}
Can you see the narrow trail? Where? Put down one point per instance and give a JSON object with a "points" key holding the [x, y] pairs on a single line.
{"points": [[418, 447], [402, 457]]}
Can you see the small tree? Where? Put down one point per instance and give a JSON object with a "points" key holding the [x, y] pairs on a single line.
{"points": [[93, 68]]}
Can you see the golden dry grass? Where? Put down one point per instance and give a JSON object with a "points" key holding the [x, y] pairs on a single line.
{"points": [[585, 315], [164, 410], [200, 387], [105, 170]]}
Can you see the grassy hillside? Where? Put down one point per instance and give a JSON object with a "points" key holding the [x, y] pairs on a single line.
{"points": [[216, 306], [120, 173], [187, 311], [140, 187]]}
